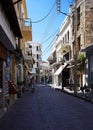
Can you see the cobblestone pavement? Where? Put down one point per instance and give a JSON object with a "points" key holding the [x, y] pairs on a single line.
{"points": [[48, 109], [87, 96]]}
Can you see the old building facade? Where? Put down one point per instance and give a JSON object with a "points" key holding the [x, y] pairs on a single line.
{"points": [[10, 35], [84, 38], [36, 51], [14, 32], [81, 42]]}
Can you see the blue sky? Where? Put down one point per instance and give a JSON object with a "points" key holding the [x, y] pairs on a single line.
{"points": [[44, 32]]}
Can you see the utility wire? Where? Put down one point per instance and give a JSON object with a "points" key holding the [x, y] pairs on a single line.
{"points": [[45, 16], [50, 37], [25, 20], [70, 1], [49, 24], [48, 47], [47, 51]]}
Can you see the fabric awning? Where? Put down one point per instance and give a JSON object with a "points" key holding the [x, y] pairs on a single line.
{"points": [[60, 69], [87, 48], [72, 66], [12, 87]]}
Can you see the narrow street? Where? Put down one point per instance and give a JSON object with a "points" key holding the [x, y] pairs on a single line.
{"points": [[48, 109]]}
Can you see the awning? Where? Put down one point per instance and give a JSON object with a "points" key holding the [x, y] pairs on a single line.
{"points": [[72, 66], [87, 48], [60, 69], [12, 88]]}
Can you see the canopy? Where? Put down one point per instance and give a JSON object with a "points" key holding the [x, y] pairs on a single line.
{"points": [[60, 69]]}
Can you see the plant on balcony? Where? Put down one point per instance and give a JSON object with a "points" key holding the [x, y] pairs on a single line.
{"points": [[81, 61]]}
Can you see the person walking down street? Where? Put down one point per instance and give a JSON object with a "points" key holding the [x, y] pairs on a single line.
{"points": [[83, 90], [27, 81], [32, 83]]}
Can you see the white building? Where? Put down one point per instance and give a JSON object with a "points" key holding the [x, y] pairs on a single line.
{"points": [[61, 52], [46, 72], [35, 49]]}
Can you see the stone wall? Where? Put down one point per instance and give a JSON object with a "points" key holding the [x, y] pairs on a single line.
{"points": [[88, 21]]}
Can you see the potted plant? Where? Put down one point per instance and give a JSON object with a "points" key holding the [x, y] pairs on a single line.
{"points": [[81, 61]]}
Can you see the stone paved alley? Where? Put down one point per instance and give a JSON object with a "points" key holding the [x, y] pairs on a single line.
{"points": [[48, 109]]}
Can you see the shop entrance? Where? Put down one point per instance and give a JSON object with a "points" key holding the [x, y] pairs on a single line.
{"points": [[65, 77]]}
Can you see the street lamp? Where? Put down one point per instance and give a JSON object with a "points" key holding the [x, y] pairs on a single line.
{"points": [[58, 2]]}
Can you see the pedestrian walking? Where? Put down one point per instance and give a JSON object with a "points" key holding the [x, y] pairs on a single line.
{"points": [[83, 90], [32, 83], [27, 81]]}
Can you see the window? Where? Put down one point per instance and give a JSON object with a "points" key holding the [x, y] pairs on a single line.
{"points": [[78, 44], [37, 56], [73, 24], [73, 52], [66, 56], [30, 46], [37, 48], [37, 64], [68, 36], [63, 39], [78, 17]]}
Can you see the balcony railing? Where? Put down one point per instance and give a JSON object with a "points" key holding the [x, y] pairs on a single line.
{"points": [[26, 28]]}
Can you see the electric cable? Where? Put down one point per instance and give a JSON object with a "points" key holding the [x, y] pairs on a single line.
{"points": [[25, 19], [45, 16], [48, 47], [51, 21], [46, 52], [70, 1], [49, 37]]}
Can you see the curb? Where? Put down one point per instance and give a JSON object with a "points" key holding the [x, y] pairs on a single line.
{"points": [[81, 97], [75, 95]]}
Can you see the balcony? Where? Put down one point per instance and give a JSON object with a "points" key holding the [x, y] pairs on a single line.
{"points": [[27, 57], [27, 32], [64, 48]]}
